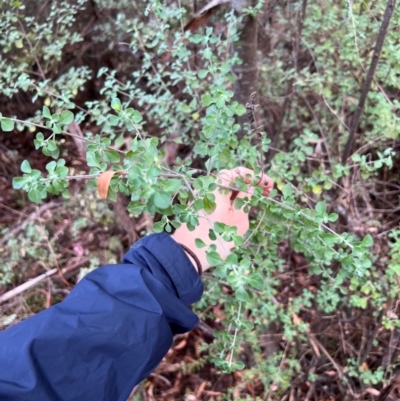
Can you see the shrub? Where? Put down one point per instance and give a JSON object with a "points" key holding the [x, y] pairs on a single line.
{"points": [[162, 86]]}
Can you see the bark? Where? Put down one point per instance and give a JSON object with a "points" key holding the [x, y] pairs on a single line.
{"points": [[246, 48]]}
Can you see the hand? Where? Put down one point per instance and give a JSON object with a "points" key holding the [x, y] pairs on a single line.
{"points": [[225, 212]]}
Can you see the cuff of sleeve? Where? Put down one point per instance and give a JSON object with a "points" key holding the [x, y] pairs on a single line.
{"points": [[177, 264]]}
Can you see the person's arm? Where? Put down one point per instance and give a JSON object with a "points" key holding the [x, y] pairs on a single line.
{"points": [[108, 334]]}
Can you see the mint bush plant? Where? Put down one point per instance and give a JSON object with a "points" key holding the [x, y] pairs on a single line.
{"points": [[177, 86]]}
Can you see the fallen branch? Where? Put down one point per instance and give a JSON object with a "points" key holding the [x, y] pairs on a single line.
{"points": [[31, 283], [31, 217]]}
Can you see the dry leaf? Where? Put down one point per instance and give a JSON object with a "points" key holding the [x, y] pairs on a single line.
{"points": [[180, 345], [295, 319], [364, 367], [316, 349], [212, 4], [103, 183], [203, 15]]}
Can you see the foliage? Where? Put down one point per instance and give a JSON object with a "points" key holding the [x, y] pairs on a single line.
{"points": [[174, 86]]}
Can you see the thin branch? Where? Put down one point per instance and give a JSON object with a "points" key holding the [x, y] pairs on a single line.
{"points": [[33, 216], [31, 283], [370, 76], [43, 76], [16, 120], [235, 334]]}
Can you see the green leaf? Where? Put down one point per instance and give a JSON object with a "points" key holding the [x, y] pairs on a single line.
{"points": [[119, 141], [134, 115], [50, 167], [92, 159], [206, 100], [333, 217], [329, 239], [220, 102], [153, 172], [287, 190], [175, 223], [136, 207], [111, 156], [116, 104], [173, 185], [238, 240], [35, 174], [162, 199], [114, 120], [159, 226], [26, 167], [55, 118], [239, 365], [199, 243], [213, 258], [367, 241], [67, 117], [320, 208], [207, 53], [241, 295], [6, 124], [57, 129], [219, 227], [35, 195], [209, 205], [256, 281], [20, 182], [46, 112], [39, 141], [51, 145], [240, 110], [197, 38], [186, 108], [202, 74], [128, 124]]}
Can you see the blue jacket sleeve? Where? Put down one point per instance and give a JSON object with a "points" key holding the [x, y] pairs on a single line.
{"points": [[108, 334]]}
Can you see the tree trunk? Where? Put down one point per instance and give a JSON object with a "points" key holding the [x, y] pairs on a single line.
{"points": [[246, 72]]}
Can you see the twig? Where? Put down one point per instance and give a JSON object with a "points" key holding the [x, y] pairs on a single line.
{"points": [[366, 346], [31, 217], [16, 120], [31, 283], [43, 76], [255, 230], [333, 362], [309, 395], [392, 348], [235, 334], [370, 76]]}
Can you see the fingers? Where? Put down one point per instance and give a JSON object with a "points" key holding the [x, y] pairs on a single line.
{"points": [[267, 185], [265, 182]]}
